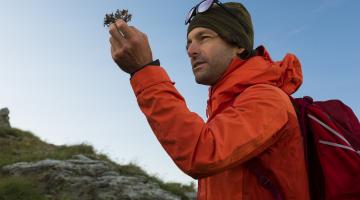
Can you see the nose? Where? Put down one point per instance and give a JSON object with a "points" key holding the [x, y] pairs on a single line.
{"points": [[193, 49]]}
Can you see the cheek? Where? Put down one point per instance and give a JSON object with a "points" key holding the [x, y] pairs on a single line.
{"points": [[221, 58]]}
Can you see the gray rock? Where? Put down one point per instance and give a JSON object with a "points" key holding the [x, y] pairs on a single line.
{"points": [[82, 178], [4, 118], [191, 195]]}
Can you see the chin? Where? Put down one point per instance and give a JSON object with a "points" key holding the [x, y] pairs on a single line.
{"points": [[202, 82]]}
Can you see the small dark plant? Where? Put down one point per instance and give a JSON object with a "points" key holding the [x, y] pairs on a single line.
{"points": [[112, 17]]}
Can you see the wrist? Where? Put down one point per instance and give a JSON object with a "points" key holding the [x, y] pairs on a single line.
{"points": [[152, 63]]}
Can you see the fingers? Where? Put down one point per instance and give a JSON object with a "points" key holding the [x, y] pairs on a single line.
{"points": [[114, 32], [117, 49], [114, 44], [121, 31], [113, 53], [124, 28]]}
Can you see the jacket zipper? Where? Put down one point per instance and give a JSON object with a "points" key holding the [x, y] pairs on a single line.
{"points": [[209, 106]]}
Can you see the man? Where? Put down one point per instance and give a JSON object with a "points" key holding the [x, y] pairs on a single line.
{"points": [[251, 134]]}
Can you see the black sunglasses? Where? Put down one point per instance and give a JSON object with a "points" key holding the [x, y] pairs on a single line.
{"points": [[203, 7]]}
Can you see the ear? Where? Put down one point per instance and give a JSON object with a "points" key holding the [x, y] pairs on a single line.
{"points": [[239, 50]]}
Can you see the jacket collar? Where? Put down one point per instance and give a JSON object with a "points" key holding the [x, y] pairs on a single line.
{"points": [[260, 69]]}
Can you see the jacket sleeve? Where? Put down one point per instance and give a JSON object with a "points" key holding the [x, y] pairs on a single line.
{"points": [[241, 131]]}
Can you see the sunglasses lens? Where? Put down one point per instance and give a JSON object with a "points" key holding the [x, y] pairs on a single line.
{"points": [[189, 15], [205, 5]]}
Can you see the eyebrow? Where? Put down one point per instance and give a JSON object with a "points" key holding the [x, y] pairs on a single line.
{"points": [[197, 35], [202, 33]]}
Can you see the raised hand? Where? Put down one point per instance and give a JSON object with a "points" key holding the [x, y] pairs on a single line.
{"points": [[130, 48]]}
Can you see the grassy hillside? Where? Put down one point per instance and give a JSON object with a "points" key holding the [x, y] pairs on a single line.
{"points": [[22, 146]]}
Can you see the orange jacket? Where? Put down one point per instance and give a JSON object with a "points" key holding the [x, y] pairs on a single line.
{"points": [[249, 115]]}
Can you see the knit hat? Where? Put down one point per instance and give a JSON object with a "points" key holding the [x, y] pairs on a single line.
{"points": [[237, 31]]}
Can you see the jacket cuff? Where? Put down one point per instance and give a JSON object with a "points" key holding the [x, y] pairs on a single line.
{"points": [[147, 77], [152, 63]]}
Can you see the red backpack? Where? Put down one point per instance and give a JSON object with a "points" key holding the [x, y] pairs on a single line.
{"points": [[331, 134]]}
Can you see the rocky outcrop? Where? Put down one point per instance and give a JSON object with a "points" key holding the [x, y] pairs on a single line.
{"points": [[82, 178], [4, 118], [75, 176]]}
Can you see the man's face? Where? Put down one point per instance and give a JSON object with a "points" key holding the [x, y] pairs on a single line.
{"points": [[210, 55]]}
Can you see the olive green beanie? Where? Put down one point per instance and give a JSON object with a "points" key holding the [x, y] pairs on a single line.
{"points": [[237, 31]]}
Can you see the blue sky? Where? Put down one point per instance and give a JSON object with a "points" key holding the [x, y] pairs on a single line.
{"points": [[59, 81]]}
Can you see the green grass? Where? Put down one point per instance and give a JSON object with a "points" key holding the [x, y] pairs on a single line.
{"points": [[177, 188], [17, 188], [23, 146]]}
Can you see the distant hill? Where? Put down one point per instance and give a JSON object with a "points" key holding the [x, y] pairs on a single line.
{"points": [[32, 169]]}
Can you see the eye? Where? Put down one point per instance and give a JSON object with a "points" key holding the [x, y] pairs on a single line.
{"points": [[188, 44], [204, 37]]}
